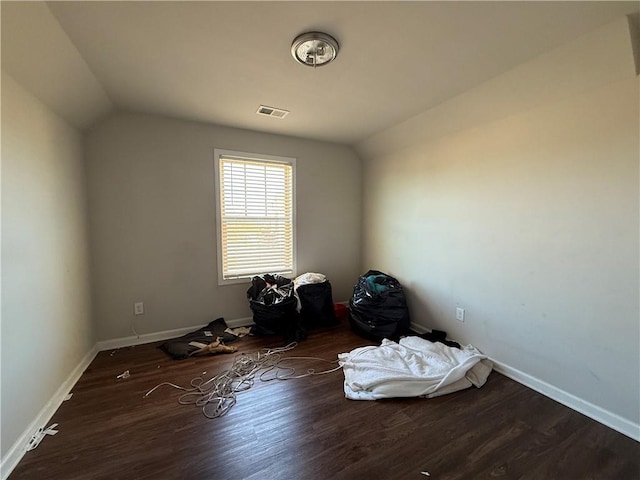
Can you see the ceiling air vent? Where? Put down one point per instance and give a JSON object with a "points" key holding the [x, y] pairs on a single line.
{"points": [[272, 112]]}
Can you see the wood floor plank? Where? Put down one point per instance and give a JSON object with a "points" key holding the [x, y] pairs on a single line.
{"points": [[306, 429]]}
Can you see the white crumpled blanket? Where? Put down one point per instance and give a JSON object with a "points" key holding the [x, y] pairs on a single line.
{"points": [[411, 368]]}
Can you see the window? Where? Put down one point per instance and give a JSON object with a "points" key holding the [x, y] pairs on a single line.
{"points": [[255, 215]]}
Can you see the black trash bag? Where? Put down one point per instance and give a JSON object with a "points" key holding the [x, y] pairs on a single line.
{"points": [[378, 307], [316, 305], [273, 305]]}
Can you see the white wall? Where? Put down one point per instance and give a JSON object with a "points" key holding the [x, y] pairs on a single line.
{"points": [[529, 221], [46, 323], [40, 56], [152, 216]]}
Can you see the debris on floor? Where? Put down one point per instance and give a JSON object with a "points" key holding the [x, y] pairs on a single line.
{"points": [[217, 395], [239, 331], [124, 374], [214, 347], [40, 434]]}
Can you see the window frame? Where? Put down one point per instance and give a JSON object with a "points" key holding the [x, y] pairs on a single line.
{"points": [[254, 157]]}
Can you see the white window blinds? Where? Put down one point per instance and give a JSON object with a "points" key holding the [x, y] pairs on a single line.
{"points": [[255, 216]]}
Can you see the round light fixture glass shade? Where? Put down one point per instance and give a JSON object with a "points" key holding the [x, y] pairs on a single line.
{"points": [[314, 49]]}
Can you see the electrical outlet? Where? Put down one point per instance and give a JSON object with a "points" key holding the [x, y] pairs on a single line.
{"points": [[138, 308], [460, 314]]}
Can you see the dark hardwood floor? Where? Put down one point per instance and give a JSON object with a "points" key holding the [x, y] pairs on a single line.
{"points": [[306, 429]]}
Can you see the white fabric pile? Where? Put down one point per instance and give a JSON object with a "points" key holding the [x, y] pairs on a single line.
{"points": [[308, 278], [413, 367]]}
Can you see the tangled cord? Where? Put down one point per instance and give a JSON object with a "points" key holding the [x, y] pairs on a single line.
{"points": [[218, 395]]}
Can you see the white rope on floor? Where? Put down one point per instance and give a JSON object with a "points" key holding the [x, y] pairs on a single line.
{"points": [[218, 395]]}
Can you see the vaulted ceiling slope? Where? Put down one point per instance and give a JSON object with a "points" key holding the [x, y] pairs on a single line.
{"points": [[217, 62]]}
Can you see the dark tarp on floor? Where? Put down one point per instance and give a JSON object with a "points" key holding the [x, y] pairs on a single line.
{"points": [[180, 348]]}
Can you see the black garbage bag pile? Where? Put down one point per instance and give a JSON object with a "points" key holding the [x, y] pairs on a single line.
{"points": [[378, 307], [273, 304]]}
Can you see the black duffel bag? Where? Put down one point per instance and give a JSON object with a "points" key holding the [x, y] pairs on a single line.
{"points": [[273, 304], [316, 305], [378, 307]]}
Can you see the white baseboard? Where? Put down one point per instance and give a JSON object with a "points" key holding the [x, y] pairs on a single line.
{"points": [[618, 423], [17, 451], [595, 412], [418, 328], [163, 335]]}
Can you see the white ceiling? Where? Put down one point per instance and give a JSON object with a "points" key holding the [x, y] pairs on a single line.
{"points": [[218, 61]]}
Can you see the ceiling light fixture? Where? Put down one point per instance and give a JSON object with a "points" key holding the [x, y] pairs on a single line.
{"points": [[314, 49]]}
